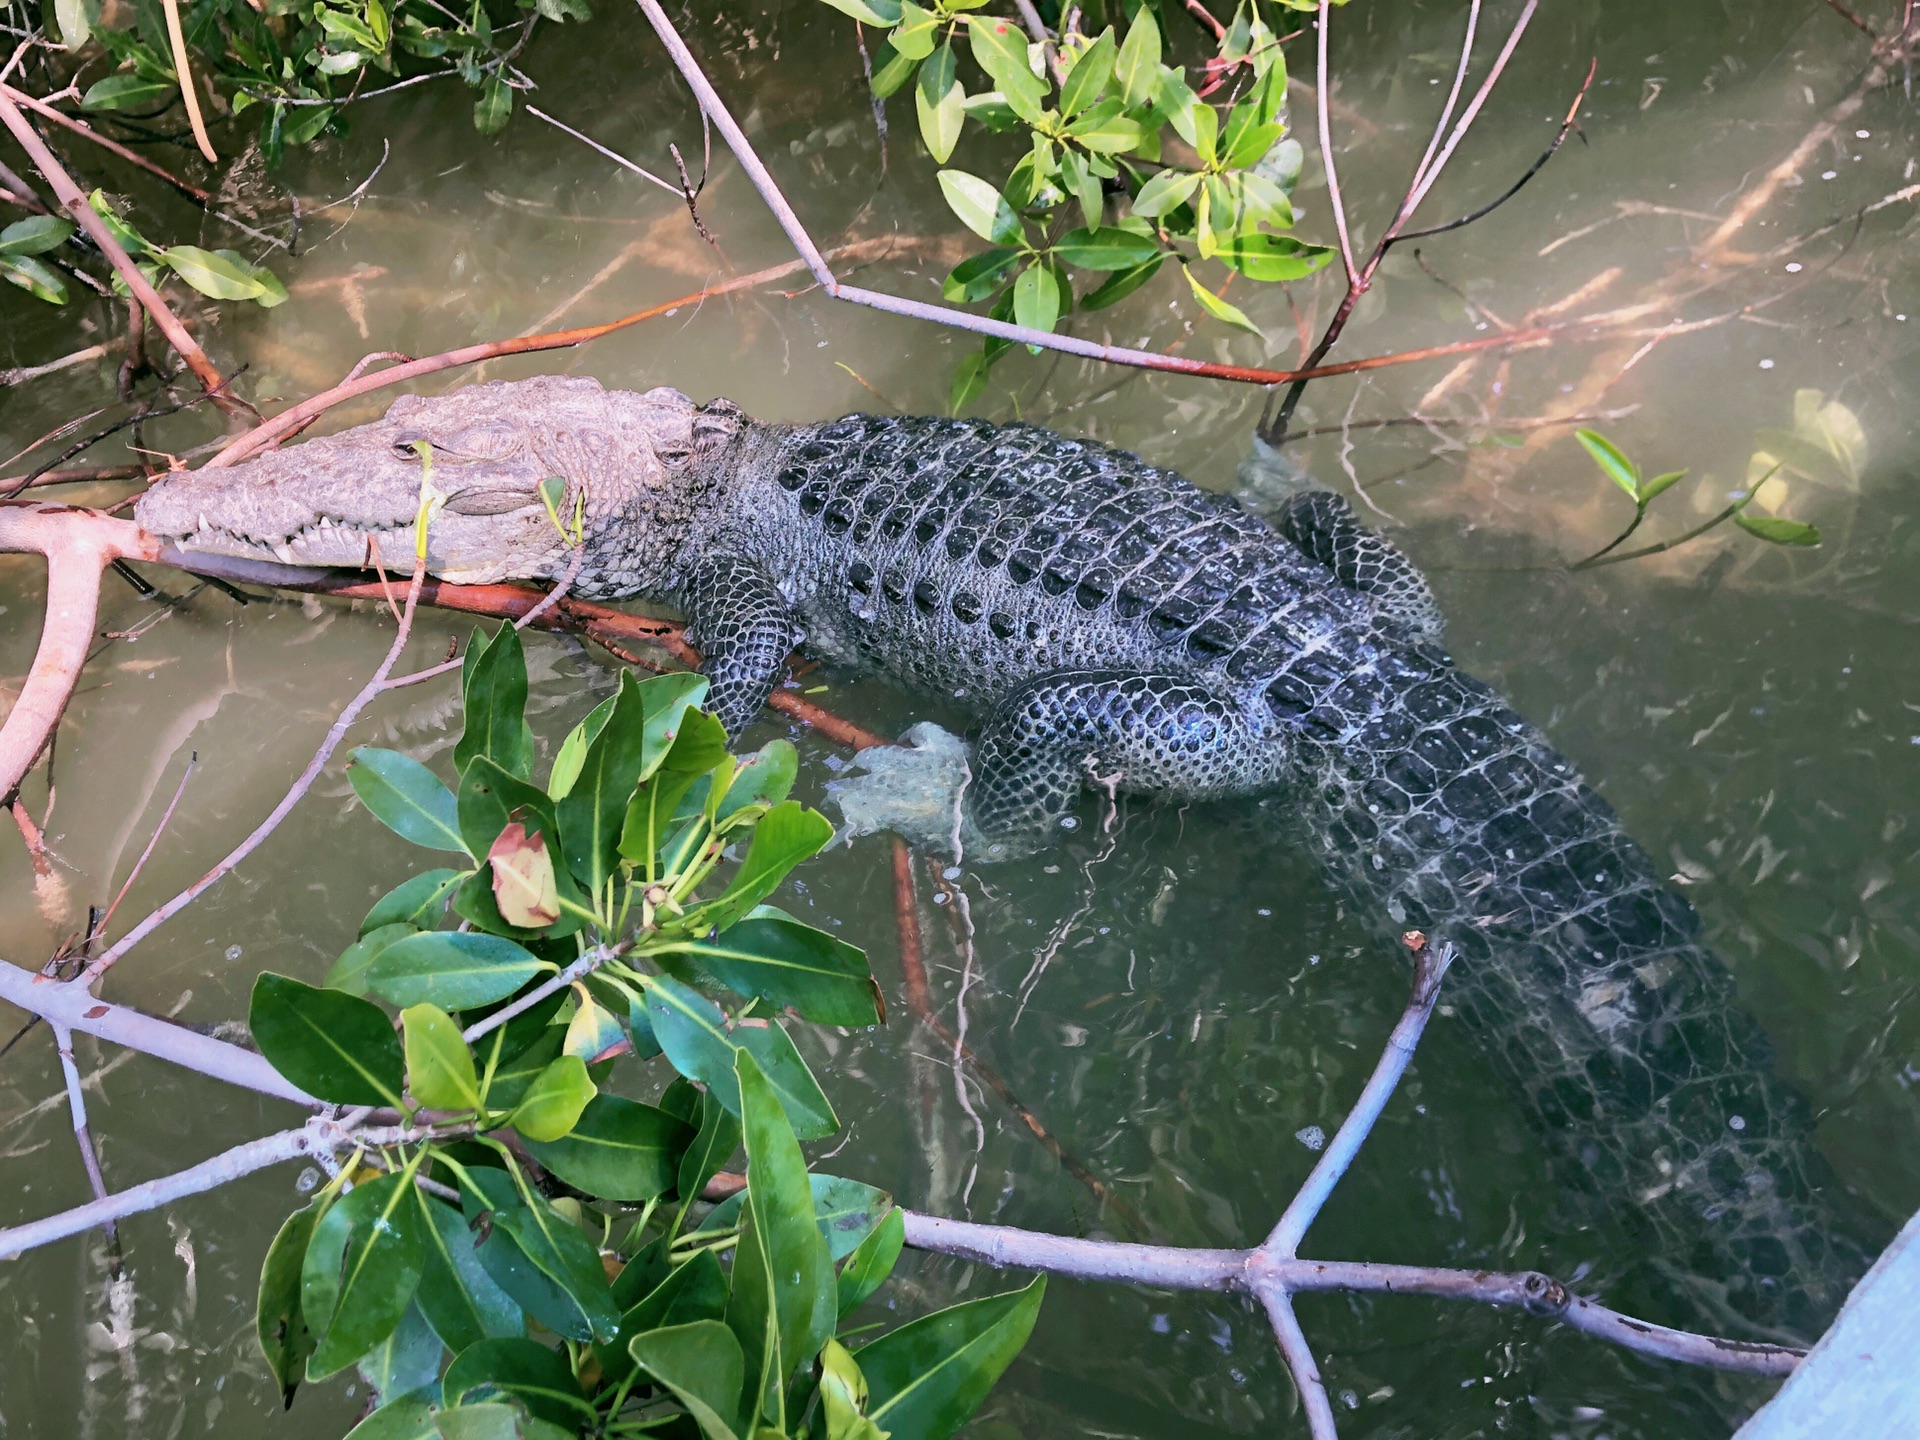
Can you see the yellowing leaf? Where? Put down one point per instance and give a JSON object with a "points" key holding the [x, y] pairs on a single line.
{"points": [[524, 887]]}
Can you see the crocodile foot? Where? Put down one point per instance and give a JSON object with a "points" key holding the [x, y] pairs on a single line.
{"points": [[913, 789]]}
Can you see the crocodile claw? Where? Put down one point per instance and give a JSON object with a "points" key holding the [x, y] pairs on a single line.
{"points": [[913, 789]]}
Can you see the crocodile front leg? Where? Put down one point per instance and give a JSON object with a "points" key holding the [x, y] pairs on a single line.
{"points": [[744, 630], [1156, 734]]}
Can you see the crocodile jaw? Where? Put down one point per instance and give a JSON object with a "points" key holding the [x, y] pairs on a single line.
{"points": [[473, 461]]}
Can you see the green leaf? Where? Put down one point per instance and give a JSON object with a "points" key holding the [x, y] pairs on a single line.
{"points": [[718, 1138], [454, 969], [131, 240], [362, 1266], [618, 1150], [497, 1420], [670, 703], [591, 813], [407, 798], [1776, 531], [696, 1290], [1121, 284], [979, 276], [891, 70], [914, 36], [573, 750], [1084, 185], [494, 107], [545, 1264], [702, 1365], [458, 1297], [1260, 256], [844, 1211], [1138, 65], [1106, 248], [783, 1306], [940, 103], [1036, 298], [1217, 307], [773, 957], [554, 1101], [349, 972], [981, 208], [212, 273], [1659, 485], [411, 1417], [871, 1262], [1166, 191], [407, 1362], [334, 1046], [870, 12], [1616, 466], [788, 834], [969, 379], [512, 1079], [523, 1370], [419, 902], [76, 20], [1091, 71], [1106, 129], [693, 1032], [926, 1378], [761, 782], [285, 1338], [35, 235], [494, 695], [440, 1071], [36, 277], [1246, 143], [1000, 47], [125, 92]]}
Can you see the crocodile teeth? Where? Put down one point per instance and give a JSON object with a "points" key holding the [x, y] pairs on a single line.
{"points": [[285, 552]]}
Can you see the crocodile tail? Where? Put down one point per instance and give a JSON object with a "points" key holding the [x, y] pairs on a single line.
{"points": [[1588, 980]]}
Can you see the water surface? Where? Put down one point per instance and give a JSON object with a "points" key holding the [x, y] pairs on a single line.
{"points": [[1178, 1001]]}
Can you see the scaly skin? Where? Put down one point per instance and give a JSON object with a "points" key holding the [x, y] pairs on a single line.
{"points": [[1106, 617]]}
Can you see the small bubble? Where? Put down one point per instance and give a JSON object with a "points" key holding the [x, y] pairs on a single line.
{"points": [[1828, 174], [1863, 134], [1794, 267], [233, 952], [1069, 822], [1313, 1137], [1737, 1122], [1263, 912], [952, 872], [307, 1181], [1766, 364]]}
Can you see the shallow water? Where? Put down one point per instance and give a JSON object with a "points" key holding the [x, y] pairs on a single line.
{"points": [[1176, 1002]]}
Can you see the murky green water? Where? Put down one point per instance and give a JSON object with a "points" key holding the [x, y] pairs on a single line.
{"points": [[1174, 1002]]}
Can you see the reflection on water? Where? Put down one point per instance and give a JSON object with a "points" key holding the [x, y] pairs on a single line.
{"points": [[1179, 1005]]}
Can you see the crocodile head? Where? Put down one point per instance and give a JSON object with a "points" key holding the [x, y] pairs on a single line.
{"points": [[487, 454]]}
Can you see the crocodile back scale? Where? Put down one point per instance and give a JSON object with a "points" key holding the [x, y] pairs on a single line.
{"points": [[1105, 618]]}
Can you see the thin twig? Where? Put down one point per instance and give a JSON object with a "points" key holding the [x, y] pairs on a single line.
{"points": [[1430, 966], [613, 155], [83, 1137], [1326, 153], [1298, 1354]]}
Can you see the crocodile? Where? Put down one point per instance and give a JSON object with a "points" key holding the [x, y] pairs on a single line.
{"points": [[1106, 619]]}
